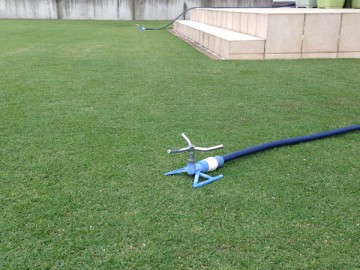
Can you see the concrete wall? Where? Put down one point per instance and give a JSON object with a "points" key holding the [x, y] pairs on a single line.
{"points": [[110, 9]]}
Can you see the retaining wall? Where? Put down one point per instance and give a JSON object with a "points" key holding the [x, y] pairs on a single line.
{"points": [[111, 9]]}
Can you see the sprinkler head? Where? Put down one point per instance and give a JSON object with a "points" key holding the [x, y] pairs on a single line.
{"points": [[140, 27], [198, 169]]}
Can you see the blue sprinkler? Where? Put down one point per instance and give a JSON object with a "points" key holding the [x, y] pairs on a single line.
{"points": [[198, 169]]}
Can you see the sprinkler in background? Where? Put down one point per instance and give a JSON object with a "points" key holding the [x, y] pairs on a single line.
{"points": [[212, 163], [198, 168]]}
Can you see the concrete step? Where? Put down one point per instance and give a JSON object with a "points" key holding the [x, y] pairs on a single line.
{"points": [[242, 20], [226, 43]]}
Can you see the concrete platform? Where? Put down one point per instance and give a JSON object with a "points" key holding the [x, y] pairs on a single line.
{"points": [[277, 33]]}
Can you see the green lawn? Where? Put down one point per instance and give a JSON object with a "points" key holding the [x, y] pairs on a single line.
{"points": [[88, 110]]}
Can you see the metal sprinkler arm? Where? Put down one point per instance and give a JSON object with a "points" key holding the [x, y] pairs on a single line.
{"points": [[193, 147]]}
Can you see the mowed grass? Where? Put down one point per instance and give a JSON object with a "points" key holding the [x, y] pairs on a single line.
{"points": [[88, 110]]}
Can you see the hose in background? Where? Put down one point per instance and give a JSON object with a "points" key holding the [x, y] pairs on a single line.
{"points": [[183, 13]]}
